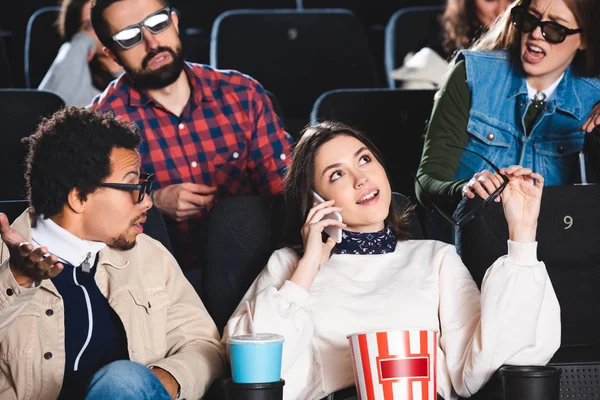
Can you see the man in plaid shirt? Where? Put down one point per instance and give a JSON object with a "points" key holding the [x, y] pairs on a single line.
{"points": [[207, 133]]}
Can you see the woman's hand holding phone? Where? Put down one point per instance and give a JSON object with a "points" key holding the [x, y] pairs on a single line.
{"points": [[316, 252]]}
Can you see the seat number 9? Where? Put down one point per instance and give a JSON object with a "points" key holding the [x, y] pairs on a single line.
{"points": [[568, 220]]}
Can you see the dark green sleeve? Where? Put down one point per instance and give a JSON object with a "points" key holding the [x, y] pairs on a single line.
{"points": [[448, 124]]}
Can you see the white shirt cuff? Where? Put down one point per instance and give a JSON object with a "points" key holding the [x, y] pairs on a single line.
{"points": [[293, 293], [523, 253]]}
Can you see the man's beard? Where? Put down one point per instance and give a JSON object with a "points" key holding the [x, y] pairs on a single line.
{"points": [[158, 78], [120, 242]]}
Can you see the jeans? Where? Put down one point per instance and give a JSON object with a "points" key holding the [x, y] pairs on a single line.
{"points": [[126, 380]]}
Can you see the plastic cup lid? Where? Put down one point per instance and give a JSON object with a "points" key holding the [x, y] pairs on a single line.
{"points": [[528, 371], [253, 386], [259, 338]]}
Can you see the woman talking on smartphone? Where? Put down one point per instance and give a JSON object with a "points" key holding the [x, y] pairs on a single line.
{"points": [[316, 293]]}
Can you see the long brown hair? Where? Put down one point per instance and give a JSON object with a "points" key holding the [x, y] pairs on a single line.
{"points": [[299, 178], [504, 36], [460, 25], [69, 18]]}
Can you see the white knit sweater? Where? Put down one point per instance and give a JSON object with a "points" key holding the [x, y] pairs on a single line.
{"points": [[423, 284]]}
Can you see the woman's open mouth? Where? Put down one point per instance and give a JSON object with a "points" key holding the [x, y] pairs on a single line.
{"points": [[370, 198], [533, 54]]}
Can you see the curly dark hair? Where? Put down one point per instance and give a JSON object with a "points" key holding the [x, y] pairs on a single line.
{"points": [[71, 150]]}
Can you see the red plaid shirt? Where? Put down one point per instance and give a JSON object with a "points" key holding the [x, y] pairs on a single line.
{"points": [[227, 135]]}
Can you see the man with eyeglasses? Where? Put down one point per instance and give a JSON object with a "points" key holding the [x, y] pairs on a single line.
{"points": [[207, 133], [89, 306]]}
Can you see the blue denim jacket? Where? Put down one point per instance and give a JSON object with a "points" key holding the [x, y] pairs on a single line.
{"points": [[496, 130]]}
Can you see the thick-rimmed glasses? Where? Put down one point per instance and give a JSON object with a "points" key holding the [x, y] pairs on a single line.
{"points": [[468, 217], [145, 186], [133, 35], [553, 32]]}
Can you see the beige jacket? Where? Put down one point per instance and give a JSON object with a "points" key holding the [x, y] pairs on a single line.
{"points": [[165, 322]]}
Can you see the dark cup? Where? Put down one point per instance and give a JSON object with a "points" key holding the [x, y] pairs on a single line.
{"points": [[253, 391], [530, 382]]}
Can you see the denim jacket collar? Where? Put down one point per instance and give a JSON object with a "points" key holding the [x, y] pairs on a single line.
{"points": [[565, 98], [518, 84]]}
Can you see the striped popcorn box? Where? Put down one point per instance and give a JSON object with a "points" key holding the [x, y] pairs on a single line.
{"points": [[395, 365]]}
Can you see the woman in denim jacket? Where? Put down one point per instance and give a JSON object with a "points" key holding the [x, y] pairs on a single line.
{"points": [[523, 96]]}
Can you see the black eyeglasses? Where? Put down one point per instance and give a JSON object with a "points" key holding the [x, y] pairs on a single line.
{"points": [[145, 186], [468, 217], [552, 31], [133, 35]]}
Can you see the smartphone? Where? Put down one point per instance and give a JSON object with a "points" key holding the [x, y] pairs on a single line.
{"points": [[333, 231]]}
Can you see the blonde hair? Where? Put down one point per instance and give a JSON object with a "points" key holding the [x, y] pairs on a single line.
{"points": [[502, 35]]}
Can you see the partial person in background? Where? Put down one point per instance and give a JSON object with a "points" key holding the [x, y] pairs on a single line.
{"points": [[522, 96], [81, 70], [462, 23]]}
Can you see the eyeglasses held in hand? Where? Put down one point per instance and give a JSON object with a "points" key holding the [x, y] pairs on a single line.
{"points": [[468, 217], [553, 32], [145, 186], [133, 35]]}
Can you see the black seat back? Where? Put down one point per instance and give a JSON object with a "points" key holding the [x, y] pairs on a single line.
{"points": [[20, 112], [276, 106], [13, 208], [197, 17], [394, 120], [568, 243], [5, 68], [370, 12], [239, 241], [295, 54], [42, 42], [155, 227]]}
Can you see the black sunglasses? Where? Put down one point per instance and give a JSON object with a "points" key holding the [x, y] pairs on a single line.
{"points": [[133, 35], [552, 31], [468, 217], [145, 186]]}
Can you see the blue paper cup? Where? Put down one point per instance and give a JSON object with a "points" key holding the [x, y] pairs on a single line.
{"points": [[256, 359]]}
